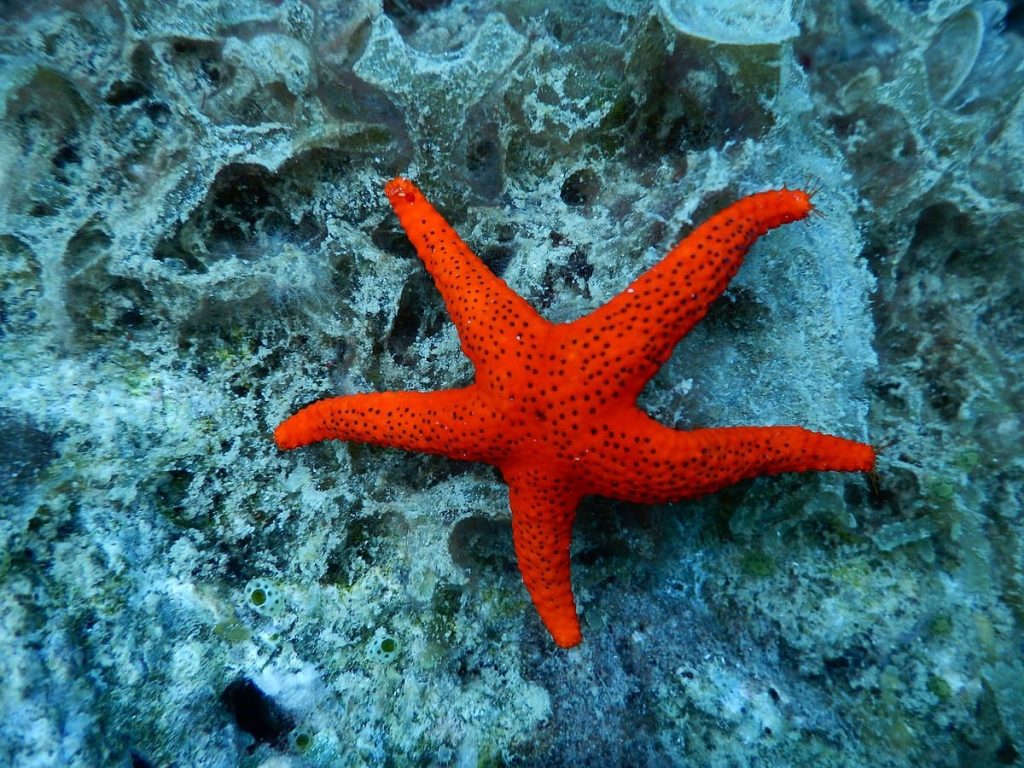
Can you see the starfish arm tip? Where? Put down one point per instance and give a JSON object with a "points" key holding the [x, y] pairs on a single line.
{"points": [[400, 190], [287, 434], [864, 456], [568, 636]]}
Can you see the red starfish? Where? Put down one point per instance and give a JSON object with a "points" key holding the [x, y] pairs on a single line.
{"points": [[553, 406]]}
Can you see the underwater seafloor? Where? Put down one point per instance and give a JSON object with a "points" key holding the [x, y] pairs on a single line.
{"points": [[195, 242]]}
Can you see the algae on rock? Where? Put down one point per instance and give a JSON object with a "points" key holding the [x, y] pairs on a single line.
{"points": [[194, 240]]}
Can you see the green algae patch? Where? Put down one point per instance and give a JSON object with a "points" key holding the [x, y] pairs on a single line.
{"points": [[940, 687], [232, 631], [941, 625], [442, 621], [853, 572], [757, 564]]}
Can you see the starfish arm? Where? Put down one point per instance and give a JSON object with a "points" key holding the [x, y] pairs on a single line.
{"points": [[668, 465], [490, 317], [645, 322], [543, 510], [453, 422]]}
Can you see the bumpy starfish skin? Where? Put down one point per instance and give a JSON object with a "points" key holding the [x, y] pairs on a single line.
{"points": [[553, 406]]}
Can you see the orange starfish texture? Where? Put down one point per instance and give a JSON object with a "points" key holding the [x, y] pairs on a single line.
{"points": [[553, 405]]}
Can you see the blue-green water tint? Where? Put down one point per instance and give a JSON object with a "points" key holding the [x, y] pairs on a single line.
{"points": [[194, 242]]}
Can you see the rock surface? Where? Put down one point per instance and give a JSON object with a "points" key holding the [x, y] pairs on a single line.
{"points": [[194, 241]]}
